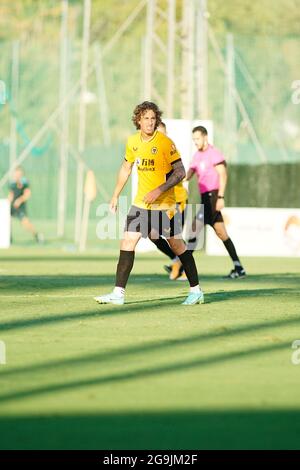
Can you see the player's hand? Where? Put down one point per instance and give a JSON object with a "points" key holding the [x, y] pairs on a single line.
{"points": [[17, 204], [152, 196], [113, 205], [220, 204]]}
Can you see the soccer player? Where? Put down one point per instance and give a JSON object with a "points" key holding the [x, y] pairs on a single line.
{"points": [[181, 197], [209, 165], [19, 193], [159, 168]]}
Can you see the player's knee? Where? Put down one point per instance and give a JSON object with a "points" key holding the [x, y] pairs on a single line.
{"points": [[177, 245], [221, 234], [127, 245]]}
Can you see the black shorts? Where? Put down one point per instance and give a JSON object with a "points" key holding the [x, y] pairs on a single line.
{"points": [[19, 213], [211, 215], [182, 209], [164, 222]]}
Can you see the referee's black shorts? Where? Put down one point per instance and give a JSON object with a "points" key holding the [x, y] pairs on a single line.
{"points": [[211, 215]]}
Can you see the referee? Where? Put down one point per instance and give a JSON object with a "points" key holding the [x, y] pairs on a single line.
{"points": [[209, 165]]}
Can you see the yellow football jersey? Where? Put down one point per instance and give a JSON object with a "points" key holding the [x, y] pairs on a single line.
{"points": [[153, 159], [181, 193]]}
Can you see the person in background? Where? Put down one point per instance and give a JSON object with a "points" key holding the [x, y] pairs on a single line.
{"points": [[19, 194]]}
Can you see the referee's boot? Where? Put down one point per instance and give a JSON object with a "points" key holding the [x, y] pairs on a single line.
{"points": [[236, 273]]}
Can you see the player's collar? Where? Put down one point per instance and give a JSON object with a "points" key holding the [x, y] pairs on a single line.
{"points": [[146, 141]]}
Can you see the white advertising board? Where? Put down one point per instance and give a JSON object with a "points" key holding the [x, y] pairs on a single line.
{"points": [[4, 223], [259, 232]]}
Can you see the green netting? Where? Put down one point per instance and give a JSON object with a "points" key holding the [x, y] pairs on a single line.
{"points": [[265, 68]]}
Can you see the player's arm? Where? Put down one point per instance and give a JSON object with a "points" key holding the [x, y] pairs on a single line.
{"points": [[26, 195], [189, 174], [222, 172], [124, 173], [177, 175], [20, 200]]}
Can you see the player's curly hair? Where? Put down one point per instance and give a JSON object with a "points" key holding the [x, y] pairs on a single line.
{"points": [[140, 109]]}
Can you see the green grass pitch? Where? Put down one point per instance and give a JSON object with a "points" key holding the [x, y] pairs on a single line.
{"points": [[151, 374]]}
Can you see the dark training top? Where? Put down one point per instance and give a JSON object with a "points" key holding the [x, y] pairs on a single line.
{"points": [[18, 189]]}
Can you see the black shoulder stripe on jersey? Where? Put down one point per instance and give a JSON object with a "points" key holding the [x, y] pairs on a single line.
{"points": [[222, 163], [175, 161], [169, 174]]}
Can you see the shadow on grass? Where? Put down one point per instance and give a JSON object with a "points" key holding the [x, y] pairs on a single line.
{"points": [[149, 347], [138, 307], [64, 258], [174, 430], [34, 283], [139, 374]]}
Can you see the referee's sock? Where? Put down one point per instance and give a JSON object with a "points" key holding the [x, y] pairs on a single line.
{"points": [[125, 264], [232, 253], [190, 268], [164, 247]]}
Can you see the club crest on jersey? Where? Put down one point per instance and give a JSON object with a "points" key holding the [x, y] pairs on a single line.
{"points": [[154, 150], [135, 149]]}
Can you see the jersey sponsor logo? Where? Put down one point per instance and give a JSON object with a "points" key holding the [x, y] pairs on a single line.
{"points": [[148, 162], [145, 164], [154, 150], [145, 161]]}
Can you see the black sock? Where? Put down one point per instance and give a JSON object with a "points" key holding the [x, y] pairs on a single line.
{"points": [[125, 264], [232, 253], [164, 247], [190, 268], [191, 244]]}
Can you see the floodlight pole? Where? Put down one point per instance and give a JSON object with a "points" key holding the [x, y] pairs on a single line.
{"points": [[14, 101], [230, 110], [143, 68], [82, 117], [102, 99], [171, 57], [201, 60], [64, 118], [151, 5], [187, 65]]}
